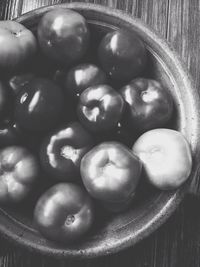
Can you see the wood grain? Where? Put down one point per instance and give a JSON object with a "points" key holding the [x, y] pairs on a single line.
{"points": [[183, 34], [10, 9], [177, 242]]}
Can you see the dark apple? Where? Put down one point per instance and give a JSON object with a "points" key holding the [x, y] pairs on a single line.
{"points": [[39, 106], [122, 55], [100, 108], [63, 35], [149, 104]]}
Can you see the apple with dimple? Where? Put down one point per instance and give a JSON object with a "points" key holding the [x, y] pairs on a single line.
{"points": [[100, 108], [111, 172], [149, 104], [62, 151], [19, 170], [64, 213], [166, 157]]}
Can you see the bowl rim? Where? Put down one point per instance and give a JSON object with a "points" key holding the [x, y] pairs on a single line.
{"points": [[18, 234]]}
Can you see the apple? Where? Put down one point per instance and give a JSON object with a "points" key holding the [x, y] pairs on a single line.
{"points": [[111, 173], [17, 45], [63, 35], [149, 104], [166, 157], [39, 105], [19, 170]]}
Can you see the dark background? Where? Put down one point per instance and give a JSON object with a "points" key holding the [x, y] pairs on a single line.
{"points": [[177, 242]]}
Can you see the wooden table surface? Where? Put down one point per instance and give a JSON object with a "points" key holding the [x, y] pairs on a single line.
{"points": [[177, 242]]}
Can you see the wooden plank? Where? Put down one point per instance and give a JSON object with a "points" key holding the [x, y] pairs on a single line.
{"points": [[154, 13], [123, 5], [183, 33], [10, 9], [30, 5]]}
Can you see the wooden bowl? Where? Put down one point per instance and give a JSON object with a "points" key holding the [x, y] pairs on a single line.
{"points": [[117, 232]]}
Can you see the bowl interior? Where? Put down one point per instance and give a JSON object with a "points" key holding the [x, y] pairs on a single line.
{"points": [[151, 207]]}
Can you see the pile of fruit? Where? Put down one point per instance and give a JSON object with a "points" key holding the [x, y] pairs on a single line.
{"points": [[91, 126]]}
